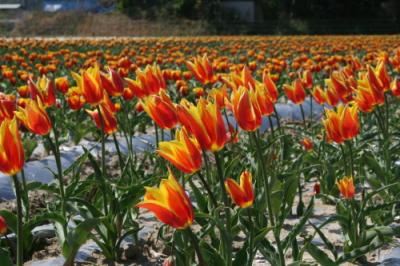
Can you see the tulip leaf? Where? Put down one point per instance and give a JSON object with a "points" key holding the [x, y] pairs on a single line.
{"points": [[358, 252], [210, 254], [5, 258], [11, 219], [319, 255]]}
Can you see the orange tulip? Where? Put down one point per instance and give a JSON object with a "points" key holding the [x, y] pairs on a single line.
{"points": [[242, 194], [319, 95], [34, 117], [183, 152], [245, 109], [295, 92], [202, 70], [3, 225], [112, 83], [346, 187], [244, 79], [264, 99], [109, 120], [307, 144], [205, 122], [89, 83], [271, 87], [44, 90], [12, 156], [365, 97], [342, 124], [151, 79], [332, 98], [62, 84], [395, 87], [169, 203], [220, 95], [161, 109], [8, 104], [306, 79], [75, 99]]}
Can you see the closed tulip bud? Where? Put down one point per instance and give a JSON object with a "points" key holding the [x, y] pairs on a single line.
{"points": [[44, 90], [34, 117], [271, 87], [169, 203], [317, 188], [89, 83], [245, 109], [319, 95], [242, 194], [62, 84], [307, 144], [346, 187], [395, 87], [12, 157], [112, 83]]}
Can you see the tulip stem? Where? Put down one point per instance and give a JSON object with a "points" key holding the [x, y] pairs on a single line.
{"points": [[278, 122], [303, 115], [196, 246], [351, 158], [103, 156], [20, 255], [207, 187], [271, 125], [121, 162], [156, 131], [249, 262], [228, 244]]}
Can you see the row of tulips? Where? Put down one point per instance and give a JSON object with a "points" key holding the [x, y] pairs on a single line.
{"points": [[210, 154]]}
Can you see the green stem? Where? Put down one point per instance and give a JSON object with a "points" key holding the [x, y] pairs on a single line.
{"points": [[156, 131], [20, 251], [251, 244], [278, 122], [271, 125], [207, 187], [195, 243], [25, 191], [349, 145], [103, 156], [121, 161], [228, 245], [344, 159], [304, 116]]}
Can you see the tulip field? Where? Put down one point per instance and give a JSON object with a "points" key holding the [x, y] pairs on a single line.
{"points": [[258, 149]]}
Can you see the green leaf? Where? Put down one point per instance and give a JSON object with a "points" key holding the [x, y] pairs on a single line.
{"points": [[242, 256], [210, 254], [319, 255], [358, 252], [11, 220], [5, 258], [326, 241]]}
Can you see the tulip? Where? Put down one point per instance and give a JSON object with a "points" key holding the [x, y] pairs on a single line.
{"points": [[107, 119], [342, 124], [346, 187], [202, 70], [89, 83], [295, 92], [271, 87], [264, 99], [306, 79], [332, 98], [245, 109], [205, 122], [12, 156], [183, 152], [241, 194], [319, 95], [34, 117], [365, 99], [75, 99], [220, 95], [395, 87], [3, 225], [161, 109], [8, 104], [169, 203], [43, 89], [112, 83], [151, 79], [62, 84], [307, 144], [317, 188], [244, 79]]}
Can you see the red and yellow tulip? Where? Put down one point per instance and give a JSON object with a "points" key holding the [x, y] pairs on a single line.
{"points": [[89, 84], [169, 203], [202, 70], [242, 194], [43, 89], [8, 105], [184, 152], [346, 187], [12, 157], [342, 124], [34, 117], [245, 109], [295, 92], [161, 109], [107, 122]]}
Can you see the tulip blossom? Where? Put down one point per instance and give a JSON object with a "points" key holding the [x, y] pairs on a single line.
{"points": [[12, 156], [151, 79], [161, 109], [8, 105], [306, 79], [342, 124], [365, 97], [271, 87], [75, 98], [112, 83], [346, 187], [242, 194], [395, 87], [202, 70], [169, 203], [34, 117], [317, 188], [307, 144], [62, 84], [319, 95], [244, 79], [44, 90], [295, 92], [205, 122], [107, 122], [3, 225], [264, 99], [183, 152], [245, 109], [89, 83]]}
